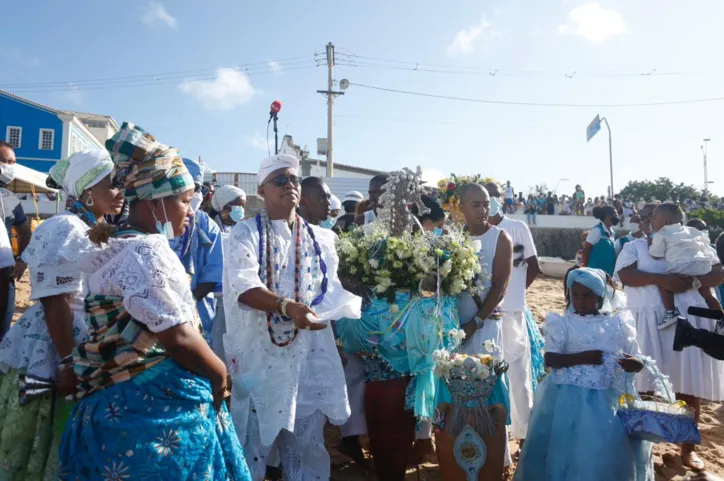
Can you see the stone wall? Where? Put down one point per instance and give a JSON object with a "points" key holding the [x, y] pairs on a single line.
{"points": [[563, 243]]}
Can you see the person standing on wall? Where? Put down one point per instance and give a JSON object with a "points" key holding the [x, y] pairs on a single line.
{"points": [[509, 196]]}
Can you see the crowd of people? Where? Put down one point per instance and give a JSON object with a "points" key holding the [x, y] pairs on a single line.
{"points": [[175, 336]]}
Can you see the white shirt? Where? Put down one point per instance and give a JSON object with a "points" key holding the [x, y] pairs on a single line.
{"points": [[6, 251], [595, 234], [519, 233], [679, 244], [509, 192]]}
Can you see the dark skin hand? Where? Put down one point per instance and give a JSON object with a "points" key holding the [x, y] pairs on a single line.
{"points": [[185, 345], [59, 319], [4, 288], [533, 270], [502, 267], [24, 236], [594, 358], [265, 301], [202, 290], [631, 276]]}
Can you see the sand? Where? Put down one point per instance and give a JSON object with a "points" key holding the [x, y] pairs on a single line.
{"points": [[544, 295]]}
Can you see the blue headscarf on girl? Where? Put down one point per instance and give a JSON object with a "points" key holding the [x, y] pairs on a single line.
{"points": [[594, 279]]}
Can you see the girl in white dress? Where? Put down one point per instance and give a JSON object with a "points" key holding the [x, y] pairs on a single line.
{"points": [[38, 347]]}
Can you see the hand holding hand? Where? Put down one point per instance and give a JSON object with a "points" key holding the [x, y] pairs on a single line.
{"points": [[299, 313]]}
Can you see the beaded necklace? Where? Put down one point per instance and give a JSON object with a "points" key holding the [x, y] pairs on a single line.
{"points": [[270, 271], [74, 206]]}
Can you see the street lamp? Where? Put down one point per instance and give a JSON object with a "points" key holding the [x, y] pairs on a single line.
{"points": [[706, 173], [555, 191]]}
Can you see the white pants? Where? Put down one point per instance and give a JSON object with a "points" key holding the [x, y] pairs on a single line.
{"points": [[491, 331], [302, 453], [354, 374], [516, 345]]}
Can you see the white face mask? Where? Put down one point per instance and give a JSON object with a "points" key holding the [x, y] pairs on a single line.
{"points": [[7, 173], [634, 227], [494, 206], [196, 201]]}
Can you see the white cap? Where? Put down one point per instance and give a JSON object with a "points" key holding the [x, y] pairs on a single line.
{"points": [[277, 162], [334, 203], [354, 196]]}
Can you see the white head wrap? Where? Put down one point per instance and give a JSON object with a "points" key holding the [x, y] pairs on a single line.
{"points": [[277, 162], [334, 203], [225, 194], [354, 196], [82, 171]]}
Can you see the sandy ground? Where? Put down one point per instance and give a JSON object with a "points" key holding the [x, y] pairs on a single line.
{"points": [[545, 295]]}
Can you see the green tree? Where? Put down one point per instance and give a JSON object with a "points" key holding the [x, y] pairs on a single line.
{"points": [[660, 189], [539, 189]]}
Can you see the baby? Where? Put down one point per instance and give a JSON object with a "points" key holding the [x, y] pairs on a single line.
{"points": [[687, 251]]}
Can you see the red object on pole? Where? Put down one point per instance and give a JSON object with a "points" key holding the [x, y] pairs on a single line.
{"points": [[276, 106]]}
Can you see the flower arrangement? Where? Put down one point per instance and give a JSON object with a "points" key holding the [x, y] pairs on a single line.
{"points": [[448, 192], [448, 264], [476, 367]]}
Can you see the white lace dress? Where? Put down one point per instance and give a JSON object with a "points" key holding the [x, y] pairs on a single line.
{"points": [[690, 371], [53, 261], [289, 383]]}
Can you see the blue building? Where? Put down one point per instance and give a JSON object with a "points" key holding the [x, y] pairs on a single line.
{"points": [[42, 135]]}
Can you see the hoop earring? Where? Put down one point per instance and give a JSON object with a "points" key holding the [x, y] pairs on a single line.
{"points": [[89, 201]]}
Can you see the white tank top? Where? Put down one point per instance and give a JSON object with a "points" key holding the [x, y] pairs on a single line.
{"points": [[467, 308], [370, 216]]}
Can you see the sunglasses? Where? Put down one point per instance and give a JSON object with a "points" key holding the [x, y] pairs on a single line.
{"points": [[201, 188], [282, 180]]}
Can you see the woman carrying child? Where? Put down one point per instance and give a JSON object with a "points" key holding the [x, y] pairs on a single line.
{"points": [[574, 433]]}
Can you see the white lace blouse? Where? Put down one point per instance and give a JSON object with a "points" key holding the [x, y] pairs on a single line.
{"points": [[293, 381], [148, 275], [53, 256], [571, 333]]}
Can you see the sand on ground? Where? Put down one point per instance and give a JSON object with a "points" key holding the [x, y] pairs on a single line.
{"points": [[545, 295]]}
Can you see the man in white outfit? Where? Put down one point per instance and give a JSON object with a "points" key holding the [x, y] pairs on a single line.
{"points": [[516, 342], [281, 289]]}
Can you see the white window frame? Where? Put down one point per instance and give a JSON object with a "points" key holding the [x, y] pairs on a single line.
{"points": [[20, 137], [52, 139]]}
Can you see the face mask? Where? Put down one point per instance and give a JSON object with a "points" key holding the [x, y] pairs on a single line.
{"points": [[165, 228], [196, 201], [615, 221], [236, 213], [494, 206], [437, 231], [7, 173], [328, 223], [706, 233], [634, 227]]}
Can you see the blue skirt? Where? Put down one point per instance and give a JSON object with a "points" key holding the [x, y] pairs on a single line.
{"points": [[574, 435], [158, 425]]}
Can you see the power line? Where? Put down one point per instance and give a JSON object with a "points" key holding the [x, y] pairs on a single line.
{"points": [[537, 104]]}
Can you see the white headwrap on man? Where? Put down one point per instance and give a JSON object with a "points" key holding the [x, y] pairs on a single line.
{"points": [[82, 171], [334, 203], [225, 194], [276, 162]]}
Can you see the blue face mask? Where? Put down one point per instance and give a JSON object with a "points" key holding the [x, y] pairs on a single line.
{"points": [[437, 231], [237, 213], [328, 223], [166, 228], [494, 206]]}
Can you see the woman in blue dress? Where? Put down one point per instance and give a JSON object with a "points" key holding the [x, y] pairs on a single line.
{"points": [[599, 251], [574, 433], [151, 390]]}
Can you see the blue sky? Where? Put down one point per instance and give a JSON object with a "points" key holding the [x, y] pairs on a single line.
{"points": [[607, 47]]}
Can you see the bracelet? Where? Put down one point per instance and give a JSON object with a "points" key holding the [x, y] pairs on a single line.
{"points": [[67, 360], [282, 306], [479, 323], [65, 367]]}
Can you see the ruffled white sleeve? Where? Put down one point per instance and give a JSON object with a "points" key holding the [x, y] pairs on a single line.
{"points": [[556, 333], [156, 289], [241, 260], [629, 342], [52, 256]]}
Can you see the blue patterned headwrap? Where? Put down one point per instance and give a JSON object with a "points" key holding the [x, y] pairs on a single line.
{"points": [[594, 279]]}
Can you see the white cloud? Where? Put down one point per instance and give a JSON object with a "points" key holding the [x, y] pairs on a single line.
{"points": [[17, 56], [432, 176], [230, 89], [155, 14], [464, 41], [76, 97], [257, 141], [594, 23], [275, 67]]}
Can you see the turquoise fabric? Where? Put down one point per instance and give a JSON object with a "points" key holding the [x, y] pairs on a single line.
{"points": [[500, 395], [603, 254], [537, 344], [405, 339]]}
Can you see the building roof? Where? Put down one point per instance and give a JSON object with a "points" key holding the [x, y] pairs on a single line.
{"points": [[348, 168], [80, 115]]}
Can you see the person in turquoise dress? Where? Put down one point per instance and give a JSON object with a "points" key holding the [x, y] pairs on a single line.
{"points": [[151, 392], [599, 251]]}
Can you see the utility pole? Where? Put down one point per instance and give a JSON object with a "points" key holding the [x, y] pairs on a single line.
{"points": [[610, 153], [331, 94]]}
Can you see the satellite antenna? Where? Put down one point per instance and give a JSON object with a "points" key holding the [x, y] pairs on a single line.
{"points": [[344, 84]]}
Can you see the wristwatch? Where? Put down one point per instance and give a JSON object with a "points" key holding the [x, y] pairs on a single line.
{"points": [[479, 322]]}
